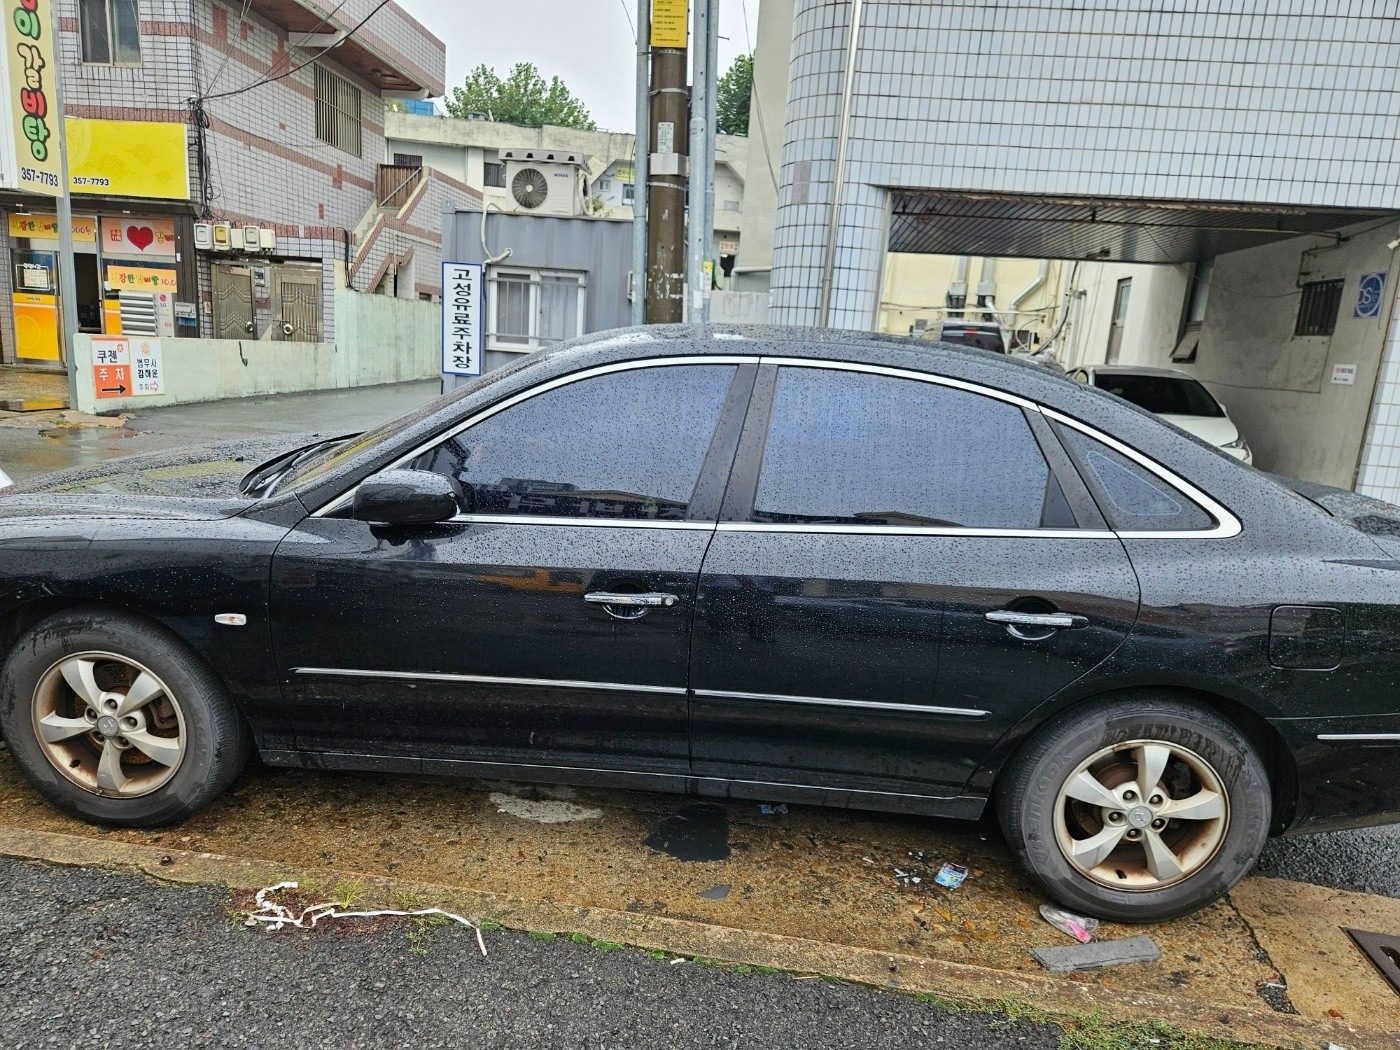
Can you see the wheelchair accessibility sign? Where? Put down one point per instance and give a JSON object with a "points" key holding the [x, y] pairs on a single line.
{"points": [[1368, 296]]}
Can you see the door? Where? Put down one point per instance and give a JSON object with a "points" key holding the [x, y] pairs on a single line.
{"points": [[861, 618], [1119, 321], [36, 306], [549, 623], [233, 301], [296, 298]]}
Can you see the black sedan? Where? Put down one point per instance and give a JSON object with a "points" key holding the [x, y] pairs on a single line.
{"points": [[772, 564]]}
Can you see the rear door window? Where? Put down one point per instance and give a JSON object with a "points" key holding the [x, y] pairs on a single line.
{"points": [[852, 448], [1132, 498]]}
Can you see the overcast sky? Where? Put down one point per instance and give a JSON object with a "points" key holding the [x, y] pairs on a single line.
{"points": [[589, 44]]}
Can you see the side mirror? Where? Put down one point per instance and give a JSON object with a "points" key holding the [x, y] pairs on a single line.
{"points": [[405, 497]]}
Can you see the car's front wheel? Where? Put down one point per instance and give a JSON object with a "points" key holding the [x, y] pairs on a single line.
{"points": [[1141, 810], [115, 720]]}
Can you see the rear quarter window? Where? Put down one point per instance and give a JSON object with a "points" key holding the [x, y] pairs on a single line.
{"points": [[1132, 498]]}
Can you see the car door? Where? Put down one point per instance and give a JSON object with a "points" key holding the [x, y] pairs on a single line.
{"points": [[903, 569], [548, 623]]}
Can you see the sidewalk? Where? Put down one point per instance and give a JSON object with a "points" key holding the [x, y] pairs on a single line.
{"points": [[33, 444], [32, 390], [808, 890]]}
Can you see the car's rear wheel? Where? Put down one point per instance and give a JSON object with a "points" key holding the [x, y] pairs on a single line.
{"points": [[115, 720], [1140, 810]]}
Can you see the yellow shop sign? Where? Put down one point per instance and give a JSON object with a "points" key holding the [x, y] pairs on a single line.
{"points": [[128, 158]]}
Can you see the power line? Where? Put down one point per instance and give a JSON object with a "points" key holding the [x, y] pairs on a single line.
{"points": [[630, 24], [228, 53], [319, 54], [757, 100]]}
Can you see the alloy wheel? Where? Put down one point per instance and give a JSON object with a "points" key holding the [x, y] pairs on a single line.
{"points": [[1141, 815], [108, 724]]}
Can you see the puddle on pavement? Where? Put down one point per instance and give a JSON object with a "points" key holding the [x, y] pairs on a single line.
{"points": [[698, 832], [826, 875]]}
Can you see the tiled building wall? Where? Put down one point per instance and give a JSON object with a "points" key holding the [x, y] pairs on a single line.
{"points": [[1224, 100], [267, 167], [411, 238]]}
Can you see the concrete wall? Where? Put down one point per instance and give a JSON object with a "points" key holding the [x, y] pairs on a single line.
{"points": [[738, 307], [382, 340], [1153, 324], [767, 109], [1276, 386]]}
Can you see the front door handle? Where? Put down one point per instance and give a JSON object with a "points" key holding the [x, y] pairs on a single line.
{"points": [[629, 606], [649, 601], [1017, 623]]}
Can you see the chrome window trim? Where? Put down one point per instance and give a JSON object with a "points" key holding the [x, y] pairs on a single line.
{"points": [[1358, 738], [918, 530], [544, 388], [483, 679], [606, 523], [1227, 525], [871, 705]]}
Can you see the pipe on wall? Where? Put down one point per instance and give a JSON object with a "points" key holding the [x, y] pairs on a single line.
{"points": [[843, 135]]}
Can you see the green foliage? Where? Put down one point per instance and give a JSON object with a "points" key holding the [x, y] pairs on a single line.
{"points": [[732, 99], [523, 97]]}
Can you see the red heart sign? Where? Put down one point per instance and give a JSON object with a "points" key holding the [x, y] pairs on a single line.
{"points": [[141, 237]]}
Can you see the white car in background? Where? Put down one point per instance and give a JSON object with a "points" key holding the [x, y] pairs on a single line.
{"points": [[1174, 396]]}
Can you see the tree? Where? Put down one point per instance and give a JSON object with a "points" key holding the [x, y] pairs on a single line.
{"points": [[522, 97], [732, 100]]}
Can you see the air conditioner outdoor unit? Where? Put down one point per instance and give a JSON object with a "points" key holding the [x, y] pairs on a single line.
{"points": [[544, 182]]}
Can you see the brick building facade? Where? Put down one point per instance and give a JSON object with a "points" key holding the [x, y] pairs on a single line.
{"points": [[283, 111]]}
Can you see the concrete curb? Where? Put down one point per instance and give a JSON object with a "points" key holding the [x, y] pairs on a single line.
{"points": [[959, 982]]}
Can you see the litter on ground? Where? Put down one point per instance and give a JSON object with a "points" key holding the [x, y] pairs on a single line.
{"points": [[1080, 927], [1098, 955], [273, 916]]}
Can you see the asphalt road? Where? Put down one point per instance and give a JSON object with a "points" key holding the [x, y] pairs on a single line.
{"points": [[99, 959]]}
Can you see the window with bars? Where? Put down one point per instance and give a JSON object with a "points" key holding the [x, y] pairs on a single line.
{"points": [[529, 309], [110, 31], [338, 111], [1318, 308]]}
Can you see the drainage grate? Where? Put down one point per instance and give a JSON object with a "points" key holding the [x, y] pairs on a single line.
{"points": [[1383, 949]]}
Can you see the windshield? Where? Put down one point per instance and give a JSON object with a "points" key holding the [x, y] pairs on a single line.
{"points": [[1162, 395]]}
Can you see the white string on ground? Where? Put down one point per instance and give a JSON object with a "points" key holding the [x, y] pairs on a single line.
{"points": [[277, 916]]}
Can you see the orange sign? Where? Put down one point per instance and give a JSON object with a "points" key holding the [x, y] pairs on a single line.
{"points": [[45, 227], [111, 367], [141, 278]]}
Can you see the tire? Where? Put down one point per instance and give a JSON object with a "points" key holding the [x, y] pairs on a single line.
{"points": [[1061, 838], [179, 745]]}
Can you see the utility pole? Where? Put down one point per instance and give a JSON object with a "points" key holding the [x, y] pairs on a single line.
{"points": [[63, 214], [641, 149], [666, 181]]}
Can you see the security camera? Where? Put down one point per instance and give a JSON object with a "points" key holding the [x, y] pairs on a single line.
{"points": [[1394, 244]]}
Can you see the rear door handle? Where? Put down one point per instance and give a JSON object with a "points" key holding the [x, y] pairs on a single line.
{"points": [[649, 601], [1054, 621]]}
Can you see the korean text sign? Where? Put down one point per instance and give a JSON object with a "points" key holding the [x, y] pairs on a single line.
{"points": [[462, 318], [29, 53]]}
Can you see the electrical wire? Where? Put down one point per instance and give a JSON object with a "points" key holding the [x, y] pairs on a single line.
{"points": [[757, 101], [228, 52], [630, 24], [302, 65]]}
